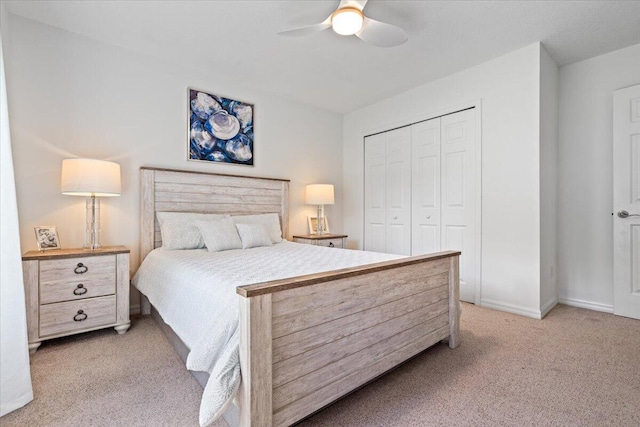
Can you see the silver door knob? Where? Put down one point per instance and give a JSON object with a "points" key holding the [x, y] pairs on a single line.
{"points": [[395, 217], [428, 216], [625, 214]]}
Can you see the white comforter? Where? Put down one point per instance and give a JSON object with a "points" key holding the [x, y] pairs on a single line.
{"points": [[194, 292]]}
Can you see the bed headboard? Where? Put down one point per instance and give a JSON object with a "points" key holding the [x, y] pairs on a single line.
{"points": [[169, 190]]}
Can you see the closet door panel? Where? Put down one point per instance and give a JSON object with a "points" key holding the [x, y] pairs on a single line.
{"points": [[398, 187], [458, 194], [456, 166], [375, 194], [426, 238], [425, 187]]}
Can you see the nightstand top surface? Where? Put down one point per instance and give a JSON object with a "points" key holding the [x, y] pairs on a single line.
{"points": [[73, 253], [321, 237]]}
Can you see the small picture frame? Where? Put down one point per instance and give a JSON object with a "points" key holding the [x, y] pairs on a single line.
{"points": [[313, 224], [47, 238]]}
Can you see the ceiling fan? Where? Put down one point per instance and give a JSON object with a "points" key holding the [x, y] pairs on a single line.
{"points": [[349, 19]]}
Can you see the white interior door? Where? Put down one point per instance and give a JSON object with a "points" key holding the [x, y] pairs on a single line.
{"points": [[458, 186], [626, 202], [425, 187], [375, 207]]}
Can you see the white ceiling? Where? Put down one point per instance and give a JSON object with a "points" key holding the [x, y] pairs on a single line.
{"points": [[237, 39]]}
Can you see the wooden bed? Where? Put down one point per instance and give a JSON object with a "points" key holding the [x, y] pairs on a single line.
{"points": [[309, 340]]}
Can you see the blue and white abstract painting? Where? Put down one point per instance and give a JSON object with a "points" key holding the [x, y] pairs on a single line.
{"points": [[220, 129]]}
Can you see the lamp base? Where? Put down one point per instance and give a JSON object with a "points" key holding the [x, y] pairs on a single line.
{"points": [[320, 229], [92, 233]]}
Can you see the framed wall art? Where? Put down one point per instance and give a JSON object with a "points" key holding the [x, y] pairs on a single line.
{"points": [[47, 238], [220, 129]]}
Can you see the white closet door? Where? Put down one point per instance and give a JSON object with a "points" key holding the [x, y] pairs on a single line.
{"points": [[375, 193], [398, 236], [388, 192], [458, 186], [425, 187]]}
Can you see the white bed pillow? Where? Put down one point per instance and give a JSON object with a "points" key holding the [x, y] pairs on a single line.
{"points": [[270, 220], [220, 235], [253, 235], [180, 231]]}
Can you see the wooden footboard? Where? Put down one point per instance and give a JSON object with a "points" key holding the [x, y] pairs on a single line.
{"points": [[307, 341]]}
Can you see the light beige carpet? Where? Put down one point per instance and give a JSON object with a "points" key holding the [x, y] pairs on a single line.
{"points": [[574, 368]]}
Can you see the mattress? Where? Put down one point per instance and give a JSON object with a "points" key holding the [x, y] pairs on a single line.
{"points": [[194, 292]]}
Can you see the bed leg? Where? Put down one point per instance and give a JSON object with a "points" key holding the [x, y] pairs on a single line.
{"points": [[255, 394], [454, 303], [145, 305]]}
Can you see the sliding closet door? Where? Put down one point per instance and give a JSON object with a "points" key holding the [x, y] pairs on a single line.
{"points": [[425, 187], [388, 192], [458, 185]]}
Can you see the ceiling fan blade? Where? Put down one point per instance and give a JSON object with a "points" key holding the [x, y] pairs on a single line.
{"points": [[309, 29], [381, 34], [358, 4]]}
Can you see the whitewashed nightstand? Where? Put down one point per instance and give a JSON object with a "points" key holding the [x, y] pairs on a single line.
{"points": [[328, 240], [69, 291]]}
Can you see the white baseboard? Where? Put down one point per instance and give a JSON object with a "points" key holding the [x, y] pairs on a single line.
{"points": [[134, 309], [549, 306], [511, 308], [596, 306]]}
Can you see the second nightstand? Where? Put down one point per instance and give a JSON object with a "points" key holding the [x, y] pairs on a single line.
{"points": [[69, 291], [328, 240]]}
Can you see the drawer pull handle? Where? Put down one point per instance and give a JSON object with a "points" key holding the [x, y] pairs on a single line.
{"points": [[331, 244], [80, 290], [81, 268], [80, 316]]}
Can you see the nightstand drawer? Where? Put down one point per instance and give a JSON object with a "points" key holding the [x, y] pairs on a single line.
{"points": [[78, 289], [78, 270], [326, 240], [331, 243], [64, 317]]}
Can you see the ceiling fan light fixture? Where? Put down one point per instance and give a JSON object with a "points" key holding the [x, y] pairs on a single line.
{"points": [[347, 21]]}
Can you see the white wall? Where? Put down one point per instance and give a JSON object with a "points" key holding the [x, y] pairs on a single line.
{"points": [[71, 96], [548, 182], [509, 89], [585, 240], [4, 26]]}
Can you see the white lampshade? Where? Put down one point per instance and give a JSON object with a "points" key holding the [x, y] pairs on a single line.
{"points": [[320, 194], [89, 177]]}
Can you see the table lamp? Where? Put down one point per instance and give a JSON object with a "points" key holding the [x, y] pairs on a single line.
{"points": [[91, 178], [320, 194]]}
